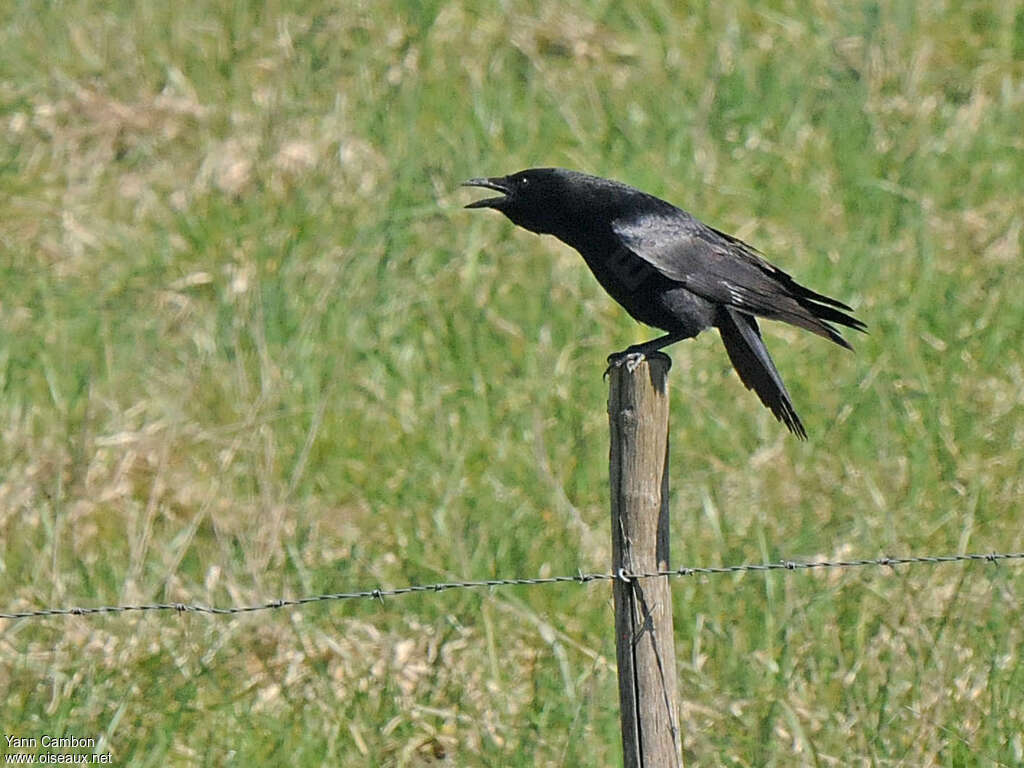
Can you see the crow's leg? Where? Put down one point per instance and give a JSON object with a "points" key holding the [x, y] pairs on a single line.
{"points": [[632, 356]]}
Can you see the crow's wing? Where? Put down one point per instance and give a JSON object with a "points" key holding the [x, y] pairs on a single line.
{"points": [[725, 270]]}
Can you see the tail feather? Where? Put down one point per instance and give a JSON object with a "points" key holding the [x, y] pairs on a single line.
{"points": [[750, 358]]}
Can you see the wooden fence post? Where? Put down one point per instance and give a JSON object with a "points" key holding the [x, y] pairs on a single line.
{"points": [[645, 648]]}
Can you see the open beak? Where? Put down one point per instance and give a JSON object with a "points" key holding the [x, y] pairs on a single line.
{"points": [[498, 184]]}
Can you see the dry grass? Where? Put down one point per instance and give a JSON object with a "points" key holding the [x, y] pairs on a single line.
{"points": [[252, 347]]}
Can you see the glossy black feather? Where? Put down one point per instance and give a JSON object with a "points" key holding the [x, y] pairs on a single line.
{"points": [[672, 271]]}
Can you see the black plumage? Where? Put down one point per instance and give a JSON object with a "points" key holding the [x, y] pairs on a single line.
{"points": [[671, 271]]}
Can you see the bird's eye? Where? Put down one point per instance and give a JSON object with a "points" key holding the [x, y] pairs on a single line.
{"points": [[524, 181]]}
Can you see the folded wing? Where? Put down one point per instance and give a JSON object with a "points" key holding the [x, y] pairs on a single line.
{"points": [[724, 269]]}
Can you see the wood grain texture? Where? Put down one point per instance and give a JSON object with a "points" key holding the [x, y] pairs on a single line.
{"points": [[638, 410]]}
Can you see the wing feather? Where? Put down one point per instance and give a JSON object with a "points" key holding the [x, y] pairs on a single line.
{"points": [[724, 269]]}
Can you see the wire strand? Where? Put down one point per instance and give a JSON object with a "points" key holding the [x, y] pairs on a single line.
{"points": [[579, 578]]}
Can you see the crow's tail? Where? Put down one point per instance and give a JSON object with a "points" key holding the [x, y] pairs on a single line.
{"points": [[750, 358]]}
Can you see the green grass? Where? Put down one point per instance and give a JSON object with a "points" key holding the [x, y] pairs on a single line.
{"points": [[252, 346]]}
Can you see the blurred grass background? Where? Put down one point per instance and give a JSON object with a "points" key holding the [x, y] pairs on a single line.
{"points": [[252, 346]]}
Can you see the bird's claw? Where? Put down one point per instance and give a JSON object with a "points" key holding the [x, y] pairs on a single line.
{"points": [[629, 358]]}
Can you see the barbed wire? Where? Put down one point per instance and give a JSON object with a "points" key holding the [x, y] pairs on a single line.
{"points": [[579, 578]]}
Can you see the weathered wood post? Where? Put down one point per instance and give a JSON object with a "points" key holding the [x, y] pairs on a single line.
{"points": [[638, 464]]}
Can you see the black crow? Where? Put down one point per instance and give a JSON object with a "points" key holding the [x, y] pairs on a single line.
{"points": [[671, 271]]}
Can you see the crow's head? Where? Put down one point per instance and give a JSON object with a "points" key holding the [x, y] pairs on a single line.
{"points": [[538, 199]]}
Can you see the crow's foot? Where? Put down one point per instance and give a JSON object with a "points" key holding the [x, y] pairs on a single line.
{"points": [[631, 358]]}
